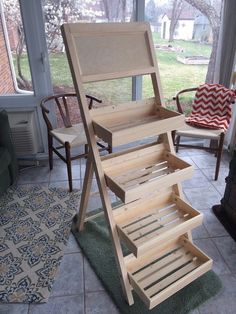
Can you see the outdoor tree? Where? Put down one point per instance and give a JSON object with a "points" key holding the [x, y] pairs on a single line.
{"points": [[115, 10], [57, 12], [151, 12], [177, 8], [214, 18], [13, 21]]}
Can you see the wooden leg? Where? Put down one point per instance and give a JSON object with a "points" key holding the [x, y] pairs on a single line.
{"points": [[50, 151], [85, 193], [173, 137], [177, 143], [109, 149], [68, 163], [86, 149], [219, 154]]}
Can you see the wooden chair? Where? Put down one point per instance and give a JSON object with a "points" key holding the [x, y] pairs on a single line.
{"points": [[197, 132], [68, 135]]}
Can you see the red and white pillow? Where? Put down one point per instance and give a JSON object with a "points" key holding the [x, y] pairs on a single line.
{"points": [[212, 107]]}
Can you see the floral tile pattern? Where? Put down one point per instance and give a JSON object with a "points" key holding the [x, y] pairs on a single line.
{"points": [[35, 224]]}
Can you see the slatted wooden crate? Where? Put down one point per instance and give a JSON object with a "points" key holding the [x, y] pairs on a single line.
{"points": [[149, 222], [162, 273], [138, 173], [129, 122]]}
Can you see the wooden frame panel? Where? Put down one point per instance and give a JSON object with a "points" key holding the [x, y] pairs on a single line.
{"points": [[118, 53]]}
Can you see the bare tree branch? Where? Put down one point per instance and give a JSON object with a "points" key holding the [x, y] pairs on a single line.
{"points": [[177, 9], [214, 19]]}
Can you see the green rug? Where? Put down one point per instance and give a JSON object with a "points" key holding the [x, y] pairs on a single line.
{"points": [[96, 245], [35, 224]]}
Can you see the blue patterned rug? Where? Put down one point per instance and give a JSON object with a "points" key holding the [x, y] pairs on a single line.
{"points": [[35, 224]]}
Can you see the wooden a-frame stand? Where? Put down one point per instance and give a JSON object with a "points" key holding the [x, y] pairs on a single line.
{"points": [[154, 221]]}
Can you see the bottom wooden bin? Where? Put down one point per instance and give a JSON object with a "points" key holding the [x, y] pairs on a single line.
{"points": [[158, 276]]}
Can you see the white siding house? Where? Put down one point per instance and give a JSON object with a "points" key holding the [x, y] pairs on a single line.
{"points": [[184, 28]]}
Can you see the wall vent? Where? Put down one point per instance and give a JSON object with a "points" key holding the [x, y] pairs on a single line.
{"points": [[24, 132]]}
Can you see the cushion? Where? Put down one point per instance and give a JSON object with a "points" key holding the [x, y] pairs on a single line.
{"points": [[212, 107]]}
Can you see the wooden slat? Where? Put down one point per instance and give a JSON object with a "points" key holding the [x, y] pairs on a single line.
{"points": [[134, 264], [108, 114], [140, 175], [141, 179], [116, 75], [159, 231], [129, 226], [132, 123], [155, 228], [154, 201], [179, 284], [172, 278], [138, 191], [128, 158], [189, 246], [136, 172], [155, 266], [179, 262]]}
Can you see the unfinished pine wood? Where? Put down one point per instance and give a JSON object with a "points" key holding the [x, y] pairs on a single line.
{"points": [[135, 174], [112, 52], [109, 51], [69, 40], [145, 224], [162, 276], [124, 123]]}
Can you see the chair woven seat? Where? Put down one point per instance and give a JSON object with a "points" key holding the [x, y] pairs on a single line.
{"points": [[198, 132], [70, 135]]}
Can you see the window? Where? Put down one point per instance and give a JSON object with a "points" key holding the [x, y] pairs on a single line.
{"points": [[16, 76], [98, 11], [186, 55]]}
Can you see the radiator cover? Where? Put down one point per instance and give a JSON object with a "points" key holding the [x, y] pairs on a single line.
{"points": [[24, 132]]}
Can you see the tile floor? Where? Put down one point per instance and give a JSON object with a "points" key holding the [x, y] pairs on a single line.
{"points": [[77, 290]]}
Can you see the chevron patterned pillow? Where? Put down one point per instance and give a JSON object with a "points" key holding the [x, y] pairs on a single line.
{"points": [[212, 107]]}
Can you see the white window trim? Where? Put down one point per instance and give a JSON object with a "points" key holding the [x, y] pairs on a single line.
{"points": [[33, 22]]}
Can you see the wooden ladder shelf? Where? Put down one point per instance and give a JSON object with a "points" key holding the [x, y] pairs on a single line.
{"points": [[154, 221]]}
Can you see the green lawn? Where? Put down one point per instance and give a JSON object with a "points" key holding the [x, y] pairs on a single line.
{"points": [[174, 75]]}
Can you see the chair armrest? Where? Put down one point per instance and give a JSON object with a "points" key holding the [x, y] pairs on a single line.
{"points": [[176, 98], [91, 100], [45, 113]]}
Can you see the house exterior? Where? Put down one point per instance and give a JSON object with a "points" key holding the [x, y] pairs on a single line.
{"points": [[184, 28], [191, 26], [6, 85], [202, 29]]}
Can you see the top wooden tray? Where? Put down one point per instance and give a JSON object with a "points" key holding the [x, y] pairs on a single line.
{"points": [[129, 122]]}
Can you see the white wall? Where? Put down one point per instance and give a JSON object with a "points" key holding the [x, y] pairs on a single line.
{"points": [[184, 29]]}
